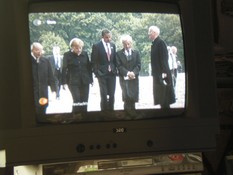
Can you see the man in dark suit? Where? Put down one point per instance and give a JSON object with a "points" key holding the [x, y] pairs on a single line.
{"points": [[42, 78], [56, 64], [129, 66], [104, 67], [163, 90]]}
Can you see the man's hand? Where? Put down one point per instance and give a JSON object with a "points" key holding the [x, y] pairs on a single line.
{"points": [[65, 86], [131, 75], [164, 75]]}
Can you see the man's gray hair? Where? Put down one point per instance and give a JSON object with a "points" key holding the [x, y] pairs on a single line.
{"points": [[155, 29]]}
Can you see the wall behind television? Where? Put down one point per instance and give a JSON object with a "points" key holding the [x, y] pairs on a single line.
{"points": [[9, 80], [223, 19]]}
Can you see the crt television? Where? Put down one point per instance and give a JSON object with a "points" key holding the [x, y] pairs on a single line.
{"points": [[189, 125]]}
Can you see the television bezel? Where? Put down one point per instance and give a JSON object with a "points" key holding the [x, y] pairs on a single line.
{"points": [[195, 130]]}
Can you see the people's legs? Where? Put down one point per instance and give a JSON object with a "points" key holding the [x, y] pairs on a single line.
{"points": [[40, 109], [126, 105], [84, 93], [75, 92], [129, 104], [175, 77], [111, 85], [132, 104], [103, 92], [57, 78], [165, 105], [160, 94], [40, 112], [155, 97], [174, 81], [165, 101]]}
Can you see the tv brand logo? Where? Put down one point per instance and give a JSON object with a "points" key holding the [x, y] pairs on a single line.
{"points": [[119, 130]]}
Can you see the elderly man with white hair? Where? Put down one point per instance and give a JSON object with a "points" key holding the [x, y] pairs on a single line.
{"points": [[163, 90], [128, 64], [43, 78]]}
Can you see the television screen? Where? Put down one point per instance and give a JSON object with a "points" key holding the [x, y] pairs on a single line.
{"points": [[96, 79], [81, 99]]}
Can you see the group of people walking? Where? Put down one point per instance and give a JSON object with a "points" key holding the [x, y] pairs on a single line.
{"points": [[74, 71]]}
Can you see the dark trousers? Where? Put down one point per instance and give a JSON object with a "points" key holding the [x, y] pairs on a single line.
{"points": [[174, 76], [163, 94], [129, 104], [80, 97], [107, 85], [40, 112], [57, 78]]}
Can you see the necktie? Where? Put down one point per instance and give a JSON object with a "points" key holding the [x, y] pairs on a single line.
{"points": [[128, 54], [108, 54], [57, 62]]}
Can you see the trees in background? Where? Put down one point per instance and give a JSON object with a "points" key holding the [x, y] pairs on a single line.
{"points": [[59, 28]]}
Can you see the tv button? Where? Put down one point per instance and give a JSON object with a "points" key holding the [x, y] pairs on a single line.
{"points": [[150, 143], [80, 148]]}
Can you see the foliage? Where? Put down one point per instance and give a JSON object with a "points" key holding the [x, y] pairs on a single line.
{"points": [[49, 40]]}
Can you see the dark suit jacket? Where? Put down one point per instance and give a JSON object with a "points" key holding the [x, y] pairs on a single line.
{"points": [[76, 69], [100, 61], [159, 58], [130, 88], [124, 65], [159, 65], [42, 78]]}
